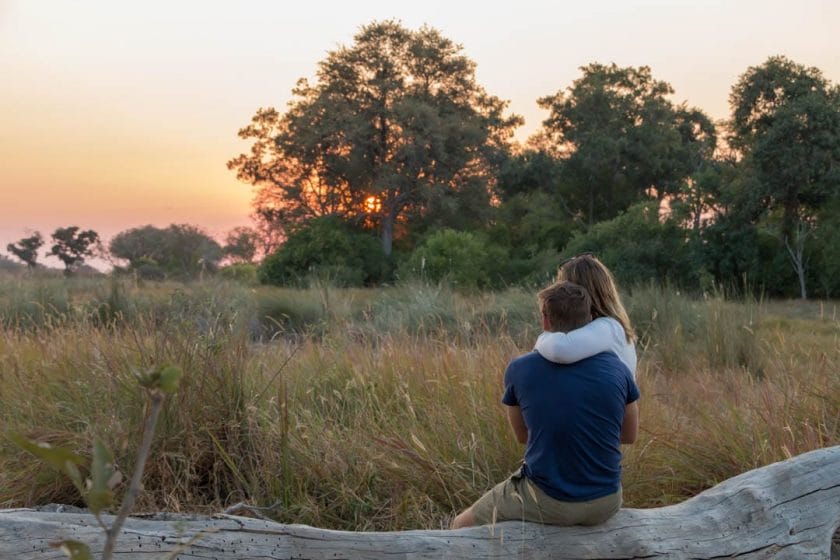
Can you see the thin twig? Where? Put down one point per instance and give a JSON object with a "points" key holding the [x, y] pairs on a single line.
{"points": [[278, 372], [256, 510], [134, 487]]}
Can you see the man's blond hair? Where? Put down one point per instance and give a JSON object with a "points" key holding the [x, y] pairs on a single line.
{"points": [[566, 305]]}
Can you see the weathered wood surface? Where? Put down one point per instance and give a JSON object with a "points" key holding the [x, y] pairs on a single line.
{"points": [[788, 510]]}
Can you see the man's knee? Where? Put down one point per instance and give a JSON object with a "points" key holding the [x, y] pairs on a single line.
{"points": [[464, 519]]}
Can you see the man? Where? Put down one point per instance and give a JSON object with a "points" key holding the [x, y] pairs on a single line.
{"points": [[572, 418]]}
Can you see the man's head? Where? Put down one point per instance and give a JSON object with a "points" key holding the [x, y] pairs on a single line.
{"points": [[565, 307]]}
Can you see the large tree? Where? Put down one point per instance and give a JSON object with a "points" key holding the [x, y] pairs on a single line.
{"points": [[72, 246], [179, 250], [621, 138], [241, 245], [27, 249], [534, 215], [762, 90], [786, 125], [393, 127]]}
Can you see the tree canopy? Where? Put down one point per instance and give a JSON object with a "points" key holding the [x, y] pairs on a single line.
{"points": [[621, 138], [177, 251], [786, 124], [762, 90], [72, 246], [242, 245], [27, 249], [393, 162], [394, 125]]}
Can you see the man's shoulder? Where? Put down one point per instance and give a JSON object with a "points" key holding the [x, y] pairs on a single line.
{"points": [[603, 363], [531, 358], [529, 361], [607, 361]]}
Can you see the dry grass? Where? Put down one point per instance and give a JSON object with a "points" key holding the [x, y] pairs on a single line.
{"points": [[365, 409]]}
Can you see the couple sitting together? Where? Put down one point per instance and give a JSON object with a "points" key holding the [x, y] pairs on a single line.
{"points": [[572, 402]]}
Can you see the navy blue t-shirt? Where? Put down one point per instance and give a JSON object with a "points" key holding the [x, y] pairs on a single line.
{"points": [[574, 414]]}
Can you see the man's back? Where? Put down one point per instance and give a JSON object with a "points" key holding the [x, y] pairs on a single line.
{"points": [[574, 414]]}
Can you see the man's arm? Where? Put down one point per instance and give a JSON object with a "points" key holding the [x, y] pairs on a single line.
{"points": [[517, 422], [630, 426]]}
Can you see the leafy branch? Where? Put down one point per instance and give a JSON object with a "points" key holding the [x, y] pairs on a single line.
{"points": [[98, 490]]}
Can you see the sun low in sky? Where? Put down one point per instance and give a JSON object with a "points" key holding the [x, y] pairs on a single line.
{"points": [[118, 114]]}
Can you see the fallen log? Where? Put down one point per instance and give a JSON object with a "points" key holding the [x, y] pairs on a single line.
{"points": [[787, 510]]}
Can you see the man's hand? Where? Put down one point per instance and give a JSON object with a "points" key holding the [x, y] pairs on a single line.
{"points": [[630, 426], [517, 422]]}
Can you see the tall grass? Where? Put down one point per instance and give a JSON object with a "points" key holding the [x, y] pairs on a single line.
{"points": [[378, 409]]}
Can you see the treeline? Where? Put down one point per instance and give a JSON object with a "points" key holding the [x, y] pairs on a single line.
{"points": [[395, 141], [179, 252], [394, 163]]}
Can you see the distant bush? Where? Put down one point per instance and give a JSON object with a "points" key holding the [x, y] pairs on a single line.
{"points": [[180, 251], [826, 256], [753, 258], [148, 269], [8, 265], [326, 249], [640, 248], [463, 258], [244, 273]]}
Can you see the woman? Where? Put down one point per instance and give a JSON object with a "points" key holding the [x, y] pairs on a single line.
{"points": [[610, 330]]}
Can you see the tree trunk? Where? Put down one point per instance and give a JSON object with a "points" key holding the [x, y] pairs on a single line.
{"points": [[796, 252], [388, 221], [387, 235], [787, 510]]}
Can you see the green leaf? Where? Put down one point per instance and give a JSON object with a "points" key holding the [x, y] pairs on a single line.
{"points": [[62, 459], [146, 379], [169, 378], [164, 379], [74, 550], [99, 495]]}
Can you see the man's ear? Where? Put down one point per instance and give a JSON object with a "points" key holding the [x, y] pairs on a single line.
{"points": [[546, 323]]}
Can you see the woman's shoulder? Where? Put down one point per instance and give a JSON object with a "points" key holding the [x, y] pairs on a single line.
{"points": [[626, 351], [615, 328], [609, 322]]}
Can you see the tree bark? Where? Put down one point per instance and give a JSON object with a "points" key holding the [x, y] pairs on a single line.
{"points": [[788, 510], [387, 234], [796, 252]]}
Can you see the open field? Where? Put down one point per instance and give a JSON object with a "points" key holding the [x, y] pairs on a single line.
{"points": [[378, 409]]}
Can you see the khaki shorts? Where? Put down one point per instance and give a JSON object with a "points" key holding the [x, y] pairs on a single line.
{"points": [[517, 498]]}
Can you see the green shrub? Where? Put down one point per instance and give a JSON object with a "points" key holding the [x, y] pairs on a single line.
{"points": [[639, 248], [179, 251], [147, 269], [745, 258], [463, 258], [326, 249], [825, 265], [289, 310], [244, 273]]}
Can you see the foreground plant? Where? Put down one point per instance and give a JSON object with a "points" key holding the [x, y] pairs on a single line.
{"points": [[97, 490]]}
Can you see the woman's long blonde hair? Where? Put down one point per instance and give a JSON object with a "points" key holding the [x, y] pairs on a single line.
{"points": [[589, 272]]}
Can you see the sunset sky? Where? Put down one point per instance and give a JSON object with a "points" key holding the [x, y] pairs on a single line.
{"points": [[119, 114]]}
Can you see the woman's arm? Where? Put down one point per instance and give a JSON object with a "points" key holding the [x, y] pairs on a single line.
{"points": [[566, 348]]}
